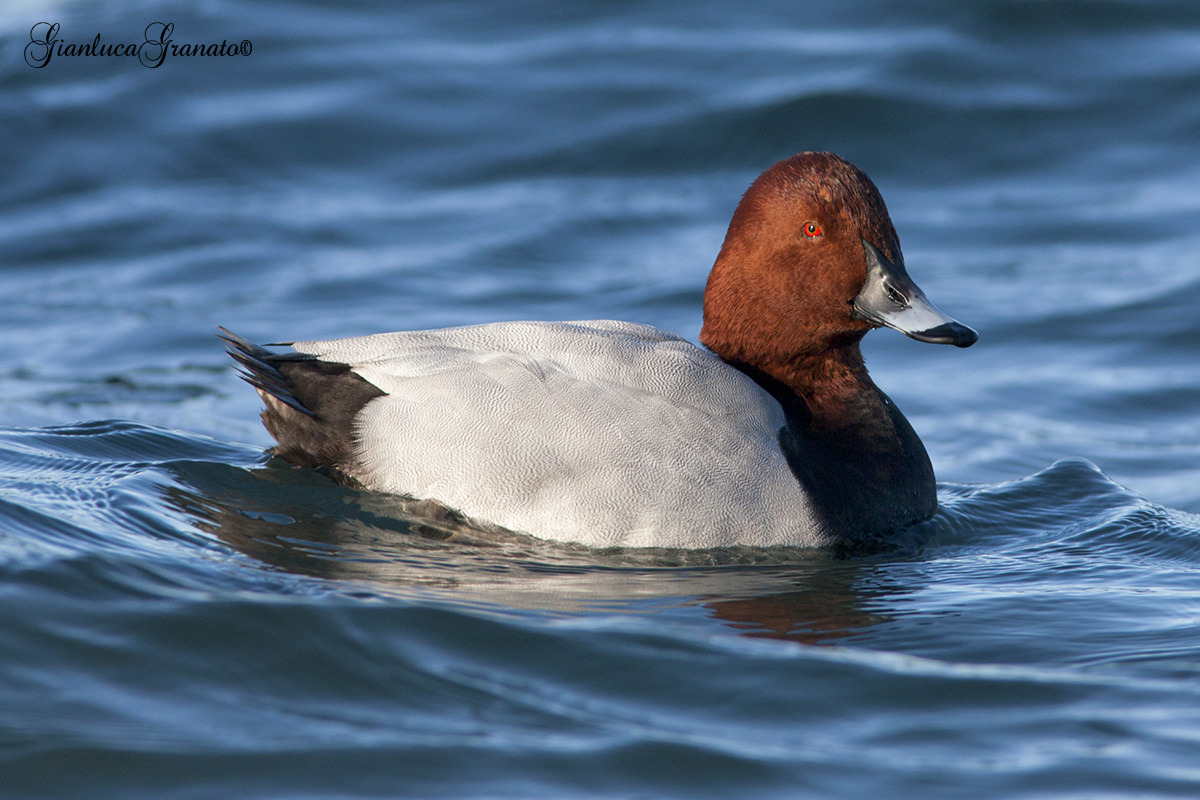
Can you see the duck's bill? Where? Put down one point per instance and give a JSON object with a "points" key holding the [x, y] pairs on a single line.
{"points": [[889, 297]]}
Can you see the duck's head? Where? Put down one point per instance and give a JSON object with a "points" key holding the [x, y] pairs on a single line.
{"points": [[810, 263]]}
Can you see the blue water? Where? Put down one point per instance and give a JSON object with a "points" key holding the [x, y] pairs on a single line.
{"points": [[181, 618]]}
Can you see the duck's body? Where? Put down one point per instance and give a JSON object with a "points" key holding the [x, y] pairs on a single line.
{"points": [[611, 433], [607, 433]]}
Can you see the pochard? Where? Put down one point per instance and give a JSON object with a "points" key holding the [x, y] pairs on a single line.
{"points": [[618, 434]]}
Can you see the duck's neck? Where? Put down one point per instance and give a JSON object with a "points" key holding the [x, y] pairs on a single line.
{"points": [[847, 443]]}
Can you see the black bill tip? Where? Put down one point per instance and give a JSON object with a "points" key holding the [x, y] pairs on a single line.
{"points": [[954, 333]]}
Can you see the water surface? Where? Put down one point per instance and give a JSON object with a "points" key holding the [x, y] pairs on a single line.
{"points": [[182, 618]]}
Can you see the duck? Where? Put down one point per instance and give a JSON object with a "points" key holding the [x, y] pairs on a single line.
{"points": [[615, 434]]}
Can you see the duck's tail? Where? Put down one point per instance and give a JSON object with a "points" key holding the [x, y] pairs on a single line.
{"points": [[310, 405], [257, 366]]}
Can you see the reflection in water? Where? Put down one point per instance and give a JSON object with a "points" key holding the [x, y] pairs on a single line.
{"points": [[296, 521], [825, 612]]}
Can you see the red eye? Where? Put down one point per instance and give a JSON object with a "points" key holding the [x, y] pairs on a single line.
{"points": [[812, 229]]}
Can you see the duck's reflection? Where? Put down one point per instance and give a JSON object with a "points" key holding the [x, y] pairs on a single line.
{"points": [[295, 521]]}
